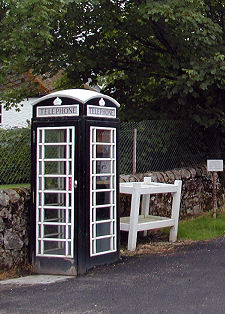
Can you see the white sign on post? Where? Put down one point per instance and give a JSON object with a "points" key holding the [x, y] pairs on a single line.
{"points": [[215, 165]]}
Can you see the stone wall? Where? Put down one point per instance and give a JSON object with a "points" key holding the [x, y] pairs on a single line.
{"points": [[14, 222], [15, 204], [196, 191]]}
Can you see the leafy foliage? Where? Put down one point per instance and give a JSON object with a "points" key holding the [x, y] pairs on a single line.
{"points": [[159, 59], [25, 34]]}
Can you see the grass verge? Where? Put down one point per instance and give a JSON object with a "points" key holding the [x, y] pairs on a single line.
{"points": [[12, 186], [203, 227]]}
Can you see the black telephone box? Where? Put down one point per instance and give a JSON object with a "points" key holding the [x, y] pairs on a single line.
{"points": [[75, 183]]}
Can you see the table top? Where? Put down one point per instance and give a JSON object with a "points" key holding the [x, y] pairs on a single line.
{"points": [[150, 188]]}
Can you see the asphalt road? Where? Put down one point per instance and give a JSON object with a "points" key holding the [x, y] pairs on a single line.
{"points": [[191, 280]]}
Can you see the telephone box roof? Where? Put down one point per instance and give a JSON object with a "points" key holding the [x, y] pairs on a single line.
{"points": [[81, 95]]}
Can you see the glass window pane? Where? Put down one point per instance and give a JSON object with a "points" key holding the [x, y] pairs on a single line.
{"points": [[40, 167], [102, 198], [53, 231], [114, 243], [55, 167], [102, 245], [113, 212], [103, 229], [40, 183], [103, 136], [40, 136], [113, 136], [56, 215], [55, 199], [114, 228], [93, 231], [69, 232], [93, 247], [113, 197], [93, 136], [69, 165], [103, 182], [70, 151], [56, 136], [39, 247], [103, 151], [102, 213], [69, 248], [103, 166], [69, 199], [55, 151], [69, 216], [71, 136], [39, 214], [55, 247], [39, 231], [40, 151], [55, 183], [113, 152], [40, 198]]}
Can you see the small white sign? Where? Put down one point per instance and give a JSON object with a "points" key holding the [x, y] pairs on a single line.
{"points": [[215, 165], [105, 112], [58, 111]]}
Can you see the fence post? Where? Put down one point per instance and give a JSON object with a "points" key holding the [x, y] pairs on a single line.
{"points": [[134, 151]]}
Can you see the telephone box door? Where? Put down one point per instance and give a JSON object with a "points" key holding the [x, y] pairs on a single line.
{"points": [[103, 228], [55, 186], [102, 223]]}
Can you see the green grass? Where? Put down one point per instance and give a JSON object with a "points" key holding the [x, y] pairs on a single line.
{"points": [[11, 186], [202, 228]]}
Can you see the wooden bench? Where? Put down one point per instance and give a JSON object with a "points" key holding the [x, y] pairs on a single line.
{"points": [[145, 221]]}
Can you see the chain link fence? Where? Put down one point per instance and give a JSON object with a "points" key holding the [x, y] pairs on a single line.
{"points": [[160, 146], [15, 150]]}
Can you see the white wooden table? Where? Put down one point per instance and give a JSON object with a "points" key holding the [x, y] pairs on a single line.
{"points": [[145, 221]]}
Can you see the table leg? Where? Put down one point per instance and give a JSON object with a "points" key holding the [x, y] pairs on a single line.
{"points": [[175, 211], [145, 208], [134, 213]]}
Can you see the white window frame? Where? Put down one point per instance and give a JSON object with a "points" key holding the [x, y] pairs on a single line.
{"points": [[68, 191], [112, 190]]}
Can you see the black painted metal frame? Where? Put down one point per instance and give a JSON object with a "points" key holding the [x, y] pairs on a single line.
{"points": [[82, 260]]}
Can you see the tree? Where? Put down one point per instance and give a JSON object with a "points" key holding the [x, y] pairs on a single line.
{"points": [[158, 58], [25, 35]]}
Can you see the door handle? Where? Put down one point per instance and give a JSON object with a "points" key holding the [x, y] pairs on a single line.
{"points": [[75, 184]]}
